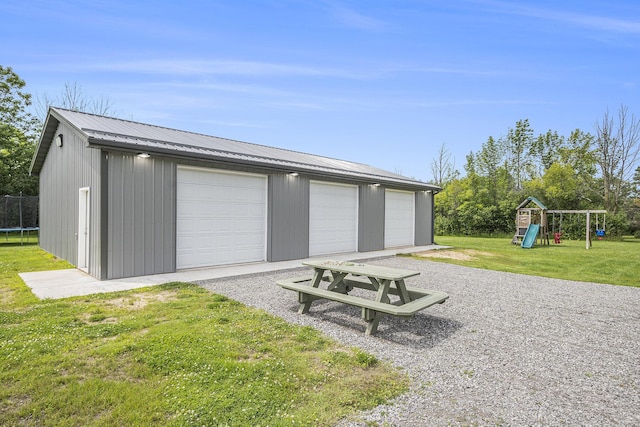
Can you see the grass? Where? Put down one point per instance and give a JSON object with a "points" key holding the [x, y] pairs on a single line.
{"points": [[612, 262], [171, 355]]}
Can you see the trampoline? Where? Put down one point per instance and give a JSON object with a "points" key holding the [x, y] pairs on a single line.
{"points": [[19, 214]]}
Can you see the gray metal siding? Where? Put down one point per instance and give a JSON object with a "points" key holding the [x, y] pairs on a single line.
{"points": [[371, 218], [288, 217], [424, 218], [133, 201], [65, 170], [141, 215]]}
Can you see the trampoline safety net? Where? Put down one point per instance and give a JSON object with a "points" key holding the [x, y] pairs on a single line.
{"points": [[18, 213]]}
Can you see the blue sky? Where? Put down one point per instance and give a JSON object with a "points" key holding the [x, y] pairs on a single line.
{"points": [[380, 82]]}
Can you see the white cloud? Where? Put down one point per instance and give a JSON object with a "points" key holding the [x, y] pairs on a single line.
{"points": [[353, 19], [479, 102], [594, 22], [204, 69], [182, 67]]}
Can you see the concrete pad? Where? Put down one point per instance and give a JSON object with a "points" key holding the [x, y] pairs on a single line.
{"points": [[73, 282]]}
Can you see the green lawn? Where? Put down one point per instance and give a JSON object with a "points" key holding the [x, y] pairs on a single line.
{"points": [[613, 262], [171, 355]]}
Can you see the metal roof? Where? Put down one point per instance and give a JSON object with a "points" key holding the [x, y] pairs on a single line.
{"points": [[119, 134]]}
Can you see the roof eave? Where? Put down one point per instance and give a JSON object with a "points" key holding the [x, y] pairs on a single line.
{"points": [[46, 137], [282, 166], [51, 124]]}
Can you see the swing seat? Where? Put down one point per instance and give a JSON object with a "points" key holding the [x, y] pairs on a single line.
{"points": [[600, 233]]}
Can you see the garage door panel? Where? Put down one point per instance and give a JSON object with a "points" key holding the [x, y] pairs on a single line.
{"points": [[333, 218], [399, 221], [220, 218]]}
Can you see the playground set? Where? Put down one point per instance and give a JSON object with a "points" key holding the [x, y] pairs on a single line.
{"points": [[19, 214], [532, 223]]}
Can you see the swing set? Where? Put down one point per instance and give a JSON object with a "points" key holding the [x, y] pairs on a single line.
{"points": [[532, 223], [600, 232]]}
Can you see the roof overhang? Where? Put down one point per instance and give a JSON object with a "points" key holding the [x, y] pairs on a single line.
{"points": [[109, 140], [179, 151], [46, 139]]}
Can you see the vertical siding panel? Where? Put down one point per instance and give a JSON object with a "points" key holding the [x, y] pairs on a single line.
{"points": [[95, 251], [140, 239], [104, 214], [158, 223], [67, 169], [115, 210], [287, 217], [141, 212], [149, 218], [371, 218], [167, 190], [127, 217], [424, 228]]}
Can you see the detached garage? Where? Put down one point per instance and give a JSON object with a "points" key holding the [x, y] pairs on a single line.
{"points": [[120, 199]]}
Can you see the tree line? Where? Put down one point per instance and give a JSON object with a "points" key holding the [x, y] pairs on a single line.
{"points": [[575, 172], [21, 122]]}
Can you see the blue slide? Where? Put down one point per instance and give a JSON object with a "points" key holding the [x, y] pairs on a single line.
{"points": [[530, 236]]}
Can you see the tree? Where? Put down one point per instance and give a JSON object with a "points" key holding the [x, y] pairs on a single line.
{"points": [[487, 163], [74, 98], [443, 168], [577, 153], [560, 184], [634, 205], [490, 158], [636, 184], [546, 151], [18, 129], [617, 147], [518, 144], [447, 205]]}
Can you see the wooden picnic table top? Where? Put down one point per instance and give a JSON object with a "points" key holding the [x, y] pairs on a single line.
{"points": [[377, 271]]}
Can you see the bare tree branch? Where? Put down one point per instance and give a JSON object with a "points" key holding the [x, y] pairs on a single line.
{"points": [[74, 98], [442, 167], [617, 147]]}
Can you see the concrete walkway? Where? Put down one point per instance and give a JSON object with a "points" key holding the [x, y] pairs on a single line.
{"points": [[73, 282]]}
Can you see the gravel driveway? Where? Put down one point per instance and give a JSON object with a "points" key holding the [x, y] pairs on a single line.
{"points": [[505, 349]]}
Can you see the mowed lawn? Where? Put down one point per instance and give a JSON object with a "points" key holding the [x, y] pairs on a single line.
{"points": [[615, 262], [171, 355], [179, 355]]}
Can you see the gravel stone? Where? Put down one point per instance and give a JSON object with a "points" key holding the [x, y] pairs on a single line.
{"points": [[505, 349]]}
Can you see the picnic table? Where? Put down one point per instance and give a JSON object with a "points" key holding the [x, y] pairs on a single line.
{"points": [[343, 276]]}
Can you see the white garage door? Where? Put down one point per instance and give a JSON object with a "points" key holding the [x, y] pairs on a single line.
{"points": [[333, 218], [220, 217], [399, 219]]}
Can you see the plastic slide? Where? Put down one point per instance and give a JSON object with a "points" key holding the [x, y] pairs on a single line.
{"points": [[530, 236]]}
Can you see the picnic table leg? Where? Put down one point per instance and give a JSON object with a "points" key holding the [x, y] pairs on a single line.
{"points": [[304, 306], [337, 284], [372, 318], [383, 289], [402, 292]]}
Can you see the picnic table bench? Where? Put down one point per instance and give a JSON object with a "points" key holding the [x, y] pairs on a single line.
{"points": [[345, 276]]}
